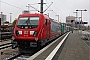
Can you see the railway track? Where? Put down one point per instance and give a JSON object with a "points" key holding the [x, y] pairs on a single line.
{"points": [[8, 46], [18, 56], [4, 44], [4, 40], [5, 36], [5, 47], [21, 56], [13, 56]]}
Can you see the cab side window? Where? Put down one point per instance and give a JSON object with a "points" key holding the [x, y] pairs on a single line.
{"points": [[46, 22]]}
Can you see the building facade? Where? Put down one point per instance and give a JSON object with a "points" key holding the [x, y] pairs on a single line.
{"points": [[2, 18], [70, 21]]}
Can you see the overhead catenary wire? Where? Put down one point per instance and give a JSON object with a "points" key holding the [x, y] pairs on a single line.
{"points": [[66, 4], [48, 6], [26, 2], [19, 7], [11, 5], [35, 9], [56, 13], [51, 8]]}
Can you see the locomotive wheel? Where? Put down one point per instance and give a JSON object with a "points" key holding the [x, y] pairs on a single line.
{"points": [[27, 50], [24, 50], [39, 46], [21, 50]]}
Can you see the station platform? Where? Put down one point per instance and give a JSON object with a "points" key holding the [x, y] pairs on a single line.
{"points": [[73, 48]]}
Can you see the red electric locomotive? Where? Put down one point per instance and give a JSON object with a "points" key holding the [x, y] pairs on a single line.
{"points": [[34, 30]]}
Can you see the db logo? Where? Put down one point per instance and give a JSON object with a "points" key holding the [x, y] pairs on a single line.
{"points": [[25, 32]]}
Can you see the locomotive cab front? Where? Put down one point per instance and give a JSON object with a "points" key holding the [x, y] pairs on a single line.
{"points": [[26, 31], [26, 28]]}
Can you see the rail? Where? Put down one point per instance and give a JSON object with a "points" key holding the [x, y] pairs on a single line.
{"points": [[5, 35], [5, 46], [13, 56]]}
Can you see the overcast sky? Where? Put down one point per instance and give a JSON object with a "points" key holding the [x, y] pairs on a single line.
{"points": [[63, 8]]}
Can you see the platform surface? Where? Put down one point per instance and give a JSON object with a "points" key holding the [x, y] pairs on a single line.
{"points": [[75, 49]]}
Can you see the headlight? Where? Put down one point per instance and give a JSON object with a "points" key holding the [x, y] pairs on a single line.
{"points": [[20, 32], [34, 33], [31, 32]]}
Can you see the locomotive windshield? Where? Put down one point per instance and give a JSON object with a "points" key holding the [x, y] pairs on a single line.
{"points": [[28, 22]]}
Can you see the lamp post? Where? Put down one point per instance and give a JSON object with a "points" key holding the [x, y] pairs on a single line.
{"points": [[81, 13], [1, 18], [10, 17], [76, 17], [72, 25], [79, 24], [58, 17], [48, 13], [28, 7]]}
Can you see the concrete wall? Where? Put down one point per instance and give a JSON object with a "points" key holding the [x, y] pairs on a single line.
{"points": [[68, 21]]}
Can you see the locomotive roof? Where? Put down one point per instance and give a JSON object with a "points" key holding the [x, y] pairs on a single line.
{"points": [[34, 14], [37, 14]]}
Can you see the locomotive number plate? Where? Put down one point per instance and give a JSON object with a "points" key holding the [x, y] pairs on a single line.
{"points": [[25, 32]]}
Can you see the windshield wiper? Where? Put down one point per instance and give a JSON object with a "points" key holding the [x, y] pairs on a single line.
{"points": [[27, 22]]}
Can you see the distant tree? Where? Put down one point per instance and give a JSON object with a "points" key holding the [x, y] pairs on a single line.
{"points": [[14, 22]]}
